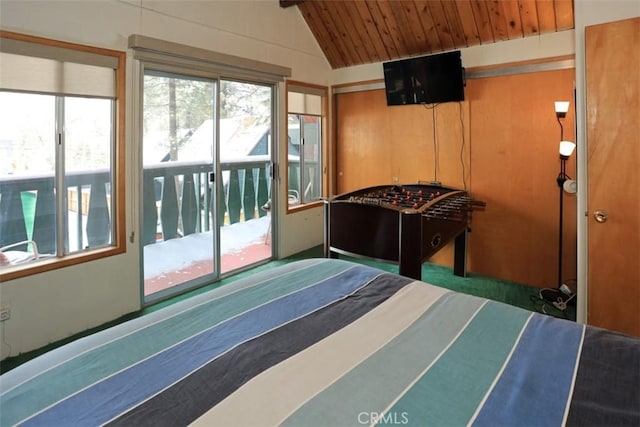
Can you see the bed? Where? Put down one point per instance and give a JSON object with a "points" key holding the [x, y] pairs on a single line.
{"points": [[328, 342]]}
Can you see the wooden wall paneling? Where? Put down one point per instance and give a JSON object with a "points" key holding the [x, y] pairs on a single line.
{"points": [[512, 18], [442, 26], [321, 33], [377, 144], [453, 144], [346, 29], [332, 33], [414, 13], [498, 22], [468, 23], [483, 22], [363, 148], [529, 16], [428, 26], [515, 162], [381, 145], [382, 31], [451, 11], [506, 132], [411, 39], [563, 14], [412, 140], [367, 36], [392, 27], [546, 16], [366, 24], [349, 34]]}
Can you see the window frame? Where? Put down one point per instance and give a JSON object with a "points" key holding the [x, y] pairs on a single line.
{"points": [[322, 91], [118, 215]]}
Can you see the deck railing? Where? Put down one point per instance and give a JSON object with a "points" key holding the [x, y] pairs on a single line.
{"points": [[180, 201], [27, 203], [28, 210]]}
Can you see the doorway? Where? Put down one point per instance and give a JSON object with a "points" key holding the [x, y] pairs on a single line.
{"points": [[206, 152]]}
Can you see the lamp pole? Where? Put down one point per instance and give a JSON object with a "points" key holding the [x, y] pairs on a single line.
{"points": [[562, 177]]}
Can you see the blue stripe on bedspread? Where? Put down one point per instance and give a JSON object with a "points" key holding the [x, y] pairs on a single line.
{"points": [[457, 382], [367, 388], [195, 394], [541, 370], [90, 407]]}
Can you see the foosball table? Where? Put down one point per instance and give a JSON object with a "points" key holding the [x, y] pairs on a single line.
{"points": [[405, 224]]}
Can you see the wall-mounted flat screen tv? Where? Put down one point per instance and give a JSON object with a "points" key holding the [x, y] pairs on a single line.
{"points": [[425, 80]]}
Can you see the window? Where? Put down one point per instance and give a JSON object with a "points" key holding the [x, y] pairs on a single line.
{"points": [[61, 136], [305, 107]]}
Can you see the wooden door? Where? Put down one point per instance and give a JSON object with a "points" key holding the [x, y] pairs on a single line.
{"points": [[613, 149]]}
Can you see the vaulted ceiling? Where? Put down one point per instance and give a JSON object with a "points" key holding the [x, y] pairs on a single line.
{"points": [[353, 32]]}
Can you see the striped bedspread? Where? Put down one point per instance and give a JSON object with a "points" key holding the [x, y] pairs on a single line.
{"points": [[326, 342]]}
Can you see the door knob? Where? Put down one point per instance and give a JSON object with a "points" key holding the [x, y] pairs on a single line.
{"points": [[600, 216]]}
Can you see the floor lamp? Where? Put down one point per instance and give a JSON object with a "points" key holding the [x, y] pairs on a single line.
{"points": [[562, 294]]}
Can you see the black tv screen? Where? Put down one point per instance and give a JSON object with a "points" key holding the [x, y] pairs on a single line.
{"points": [[425, 80]]}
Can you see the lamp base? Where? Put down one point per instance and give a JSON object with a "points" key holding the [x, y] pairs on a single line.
{"points": [[559, 299]]}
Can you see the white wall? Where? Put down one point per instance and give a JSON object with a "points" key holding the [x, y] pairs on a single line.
{"points": [[51, 306]]}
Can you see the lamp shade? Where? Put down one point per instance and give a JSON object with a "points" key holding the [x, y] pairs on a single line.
{"points": [[562, 107], [566, 148], [570, 186]]}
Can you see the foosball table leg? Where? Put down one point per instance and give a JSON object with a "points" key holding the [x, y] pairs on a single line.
{"points": [[460, 254], [410, 256]]}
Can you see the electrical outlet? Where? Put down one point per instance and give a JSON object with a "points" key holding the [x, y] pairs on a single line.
{"points": [[5, 313]]}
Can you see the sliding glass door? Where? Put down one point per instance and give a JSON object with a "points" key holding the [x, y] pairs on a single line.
{"points": [[246, 129], [206, 152], [178, 187]]}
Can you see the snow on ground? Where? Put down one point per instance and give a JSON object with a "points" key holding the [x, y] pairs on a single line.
{"points": [[176, 254]]}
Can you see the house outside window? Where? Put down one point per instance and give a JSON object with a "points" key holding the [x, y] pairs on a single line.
{"points": [[305, 146], [61, 119]]}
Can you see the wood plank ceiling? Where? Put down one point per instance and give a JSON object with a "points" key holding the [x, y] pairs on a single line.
{"points": [[353, 32]]}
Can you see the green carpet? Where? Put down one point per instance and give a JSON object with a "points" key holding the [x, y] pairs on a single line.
{"points": [[495, 289], [512, 293]]}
